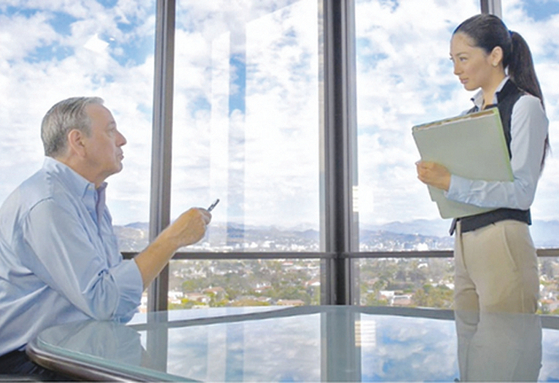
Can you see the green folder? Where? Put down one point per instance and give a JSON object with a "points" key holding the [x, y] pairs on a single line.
{"points": [[472, 146]]}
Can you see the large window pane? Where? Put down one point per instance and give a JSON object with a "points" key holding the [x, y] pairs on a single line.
{"points": [[404, 78], [407, 282], [50, 51], [429, 282], [538, 22], [217, 283], [549, 285], [246, 131], [246, 121]]}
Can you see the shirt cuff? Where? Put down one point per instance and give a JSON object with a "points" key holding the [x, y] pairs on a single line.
{"points": [[129, 280], [457, 187]]}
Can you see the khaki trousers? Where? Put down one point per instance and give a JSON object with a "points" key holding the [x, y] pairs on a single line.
{"points": [[496, 269]]}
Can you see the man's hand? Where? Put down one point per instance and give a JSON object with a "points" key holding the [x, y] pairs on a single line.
{"points": [[189, 228], [433, 174]]}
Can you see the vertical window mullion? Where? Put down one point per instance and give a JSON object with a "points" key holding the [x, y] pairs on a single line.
{"points": [[492, 7], [160, 199], [339, 232]]}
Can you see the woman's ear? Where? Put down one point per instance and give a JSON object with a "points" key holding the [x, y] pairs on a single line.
{"points": [[496, 56]]}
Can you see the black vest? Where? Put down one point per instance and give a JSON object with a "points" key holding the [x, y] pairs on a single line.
{"points": [[506, 99]]}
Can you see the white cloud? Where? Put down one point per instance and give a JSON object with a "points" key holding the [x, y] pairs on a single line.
{"points": [[35, 80], [95, 44], [404, 78], [268, 162]]}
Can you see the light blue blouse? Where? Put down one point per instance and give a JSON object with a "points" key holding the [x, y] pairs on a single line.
{"points": [[59, 257], [529, 126]]}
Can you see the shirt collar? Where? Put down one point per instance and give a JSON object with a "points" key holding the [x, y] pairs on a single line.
{"points": [[478, 98], [77, 184]]}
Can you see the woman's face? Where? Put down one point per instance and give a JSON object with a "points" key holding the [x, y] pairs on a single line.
{"points": [[472, 64]]}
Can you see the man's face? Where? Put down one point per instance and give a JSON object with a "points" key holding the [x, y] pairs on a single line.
{"points": [[103, 147]]}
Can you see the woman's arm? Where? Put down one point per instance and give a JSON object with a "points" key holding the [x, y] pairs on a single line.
{"points": [[529, 127]]}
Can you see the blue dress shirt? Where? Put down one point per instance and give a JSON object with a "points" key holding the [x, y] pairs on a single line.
{"points": [[59, 257], [529, 126]]}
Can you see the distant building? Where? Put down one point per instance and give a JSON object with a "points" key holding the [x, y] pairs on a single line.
{"points": [[262, 288], [401, 300], [315, 282], [290, 302], [218, 293], [197, 297], [385, 295], [144, 303], [175, 296]]}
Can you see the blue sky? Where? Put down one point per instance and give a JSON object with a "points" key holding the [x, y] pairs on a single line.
{"points": [[247, 91]]}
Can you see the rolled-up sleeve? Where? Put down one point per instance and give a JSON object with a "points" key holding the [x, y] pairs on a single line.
{"points": [[67, 256], [529, 126]]}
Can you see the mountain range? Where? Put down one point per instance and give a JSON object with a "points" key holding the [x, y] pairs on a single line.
{"points": [[411, 235]]}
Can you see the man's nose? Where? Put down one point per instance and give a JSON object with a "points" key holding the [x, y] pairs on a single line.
{"points": [[121, 139]]}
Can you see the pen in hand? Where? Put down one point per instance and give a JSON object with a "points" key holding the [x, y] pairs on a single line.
{"points": [[213, 205]]}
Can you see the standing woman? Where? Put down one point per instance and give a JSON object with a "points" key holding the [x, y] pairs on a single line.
{"points": [[496, 267]]}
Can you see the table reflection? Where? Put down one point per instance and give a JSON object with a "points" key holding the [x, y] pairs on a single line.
{"points": [[328, 343], [499, 347]]}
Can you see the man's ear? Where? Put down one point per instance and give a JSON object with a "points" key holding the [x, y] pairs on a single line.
{"points": [[496, 56], [76, 142]]}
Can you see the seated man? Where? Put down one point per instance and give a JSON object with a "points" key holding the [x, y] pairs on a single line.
{"points": [[59, 259]]}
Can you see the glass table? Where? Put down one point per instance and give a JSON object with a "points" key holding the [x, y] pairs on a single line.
{"points": [[306, 344]]}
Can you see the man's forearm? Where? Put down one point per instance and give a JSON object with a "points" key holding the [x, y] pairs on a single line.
{"points": [[189, 228], [154, 258]]}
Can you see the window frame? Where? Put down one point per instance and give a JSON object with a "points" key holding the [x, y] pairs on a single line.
{"points": [[338, 157]]}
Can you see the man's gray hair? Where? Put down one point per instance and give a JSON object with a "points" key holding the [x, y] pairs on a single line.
{"points": [[63, 117]]}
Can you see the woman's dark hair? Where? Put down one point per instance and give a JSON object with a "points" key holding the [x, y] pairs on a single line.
{"points": [[487, 32]]}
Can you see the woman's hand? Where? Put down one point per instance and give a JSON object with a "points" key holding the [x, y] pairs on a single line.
{"points": [[433, 174]]}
